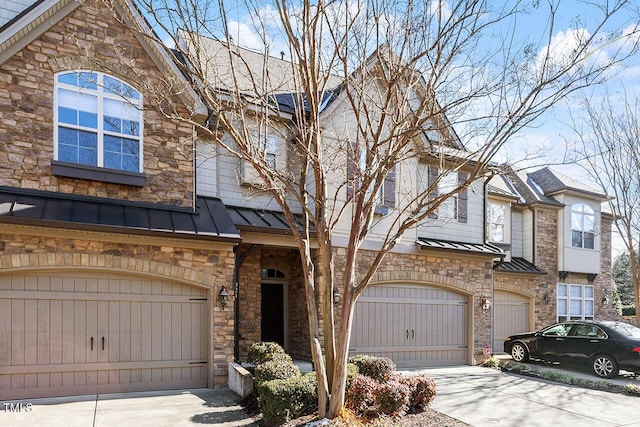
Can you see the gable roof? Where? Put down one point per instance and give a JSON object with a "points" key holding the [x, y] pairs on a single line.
{"points": [[40, 16], [553, 182]]}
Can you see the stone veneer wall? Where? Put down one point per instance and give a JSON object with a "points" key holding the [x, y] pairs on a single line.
{"points": [[288, 262], [89, 38], [546, 257], [205, 268]]}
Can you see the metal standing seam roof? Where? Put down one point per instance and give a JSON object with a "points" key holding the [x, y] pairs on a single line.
{"points": [[34, 207], [479, 248], [261, 220], [519, 265]]}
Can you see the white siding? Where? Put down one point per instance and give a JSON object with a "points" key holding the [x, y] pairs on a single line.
{"points": [[527, 235], [577, 260]]}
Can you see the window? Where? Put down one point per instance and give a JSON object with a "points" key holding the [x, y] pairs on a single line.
{"points": [[561, 330], [575, 302], [449, 208], [269, 146], [496, 222], [582, 226], [98, 121], [357, 169]]}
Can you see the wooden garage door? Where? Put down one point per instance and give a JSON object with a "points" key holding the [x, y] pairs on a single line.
{"points": [[511, 316], [72, 334], [413, 325]]}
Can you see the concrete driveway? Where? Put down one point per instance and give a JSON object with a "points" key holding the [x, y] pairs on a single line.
{"points": [[487, 397], [475, 395]]}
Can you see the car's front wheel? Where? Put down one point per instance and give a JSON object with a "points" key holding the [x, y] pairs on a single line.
{"points": [[519, 352], [605, 366]]}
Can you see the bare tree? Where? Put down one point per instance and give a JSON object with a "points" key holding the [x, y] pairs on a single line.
{"points": [[612, 155], [369, 88]]}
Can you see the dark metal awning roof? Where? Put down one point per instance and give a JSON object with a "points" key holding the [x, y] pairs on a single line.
{"points": [[33, 207], [478, 248], [261, 220], [520, 265]]}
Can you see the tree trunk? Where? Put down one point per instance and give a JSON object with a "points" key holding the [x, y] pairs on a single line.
{"points": [[339, 373]]}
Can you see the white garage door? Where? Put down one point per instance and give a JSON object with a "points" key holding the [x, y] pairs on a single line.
{"points": [[70, 334], [511, 316], [412, 325]]}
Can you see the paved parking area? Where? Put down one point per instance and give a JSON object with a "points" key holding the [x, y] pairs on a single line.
{"points": [[478, 396], [487, 397]]}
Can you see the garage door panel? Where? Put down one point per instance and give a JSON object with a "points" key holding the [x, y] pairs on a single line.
{"points": [[411, 324], [51, 321], [511, 316]]}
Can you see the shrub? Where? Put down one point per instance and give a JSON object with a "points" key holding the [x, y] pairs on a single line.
{"points": [[491, 362], [423, 391], [360, 396], [261, 352], [378, 368], [632, 389], [392, 397], [276, 369], [284, 399], [352, 372]]}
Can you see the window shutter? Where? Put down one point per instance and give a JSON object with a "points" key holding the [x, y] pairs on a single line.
{"points": [[433, 192], [390, 188], [462, 198]]}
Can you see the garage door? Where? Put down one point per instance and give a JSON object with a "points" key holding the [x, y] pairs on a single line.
{"points": [[70, 334], [412, 325], [511, 316]]}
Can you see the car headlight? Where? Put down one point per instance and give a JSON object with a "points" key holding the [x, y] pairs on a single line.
{"points": [[507, 339]]}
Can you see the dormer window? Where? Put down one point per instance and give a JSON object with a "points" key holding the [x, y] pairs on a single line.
{"points": [[98, 122], [582, 226]]}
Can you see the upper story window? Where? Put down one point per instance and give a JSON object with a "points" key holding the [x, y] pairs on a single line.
{"points": [[98, 121], [582, 226], [455, 205], [496, 217]]}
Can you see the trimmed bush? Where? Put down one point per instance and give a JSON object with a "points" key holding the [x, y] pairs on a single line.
{"points": [[378, 368], [423, 391], [360, 396], [284, 399], [392, 397], [261, 352], [279, 368], [352, 372]]}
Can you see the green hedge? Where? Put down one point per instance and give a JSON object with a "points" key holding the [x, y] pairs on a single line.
{"points": [[261, 352], [283, 400]]}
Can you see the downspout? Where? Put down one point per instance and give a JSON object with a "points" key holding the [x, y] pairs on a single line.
{"points": [[239, 260]]}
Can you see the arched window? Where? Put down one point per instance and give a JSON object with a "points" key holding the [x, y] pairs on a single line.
{"points": [[582, 226], [98, 121]]}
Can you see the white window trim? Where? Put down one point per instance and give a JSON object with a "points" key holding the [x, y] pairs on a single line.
{"points": [[491, 222], [584, 211], [101, 95], [584, 300]]}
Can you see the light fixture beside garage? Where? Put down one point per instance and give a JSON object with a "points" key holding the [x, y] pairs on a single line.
{"points": [[605, 300], [223, 294], [485, 303]]}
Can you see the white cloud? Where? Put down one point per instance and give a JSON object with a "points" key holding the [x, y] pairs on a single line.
{"points": [[243, 35], [439, 8]]}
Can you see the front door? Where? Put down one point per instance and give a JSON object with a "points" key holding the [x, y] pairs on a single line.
{"points": [[272, 304]]}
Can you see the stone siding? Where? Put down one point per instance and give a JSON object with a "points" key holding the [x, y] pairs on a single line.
{"points": [[89, 38]]}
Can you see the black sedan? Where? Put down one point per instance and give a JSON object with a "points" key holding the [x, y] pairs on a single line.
{"points": [[605, 346]]}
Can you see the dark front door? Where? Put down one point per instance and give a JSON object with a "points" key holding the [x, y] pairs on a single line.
{"points": [[272, 323]]}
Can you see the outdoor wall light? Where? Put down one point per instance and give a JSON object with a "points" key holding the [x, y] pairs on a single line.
{"points": [[546, 298], [605, 300], [336, 297], [485, 303], [223, 294]]}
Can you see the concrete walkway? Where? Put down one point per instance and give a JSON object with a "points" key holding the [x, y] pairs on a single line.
{"points": [[165, 408], [487, 397]]}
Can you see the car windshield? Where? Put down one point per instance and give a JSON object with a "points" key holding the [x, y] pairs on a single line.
{"points": [[626, 329]]}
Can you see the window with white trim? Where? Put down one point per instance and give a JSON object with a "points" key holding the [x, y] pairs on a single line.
{"points": [[582, 226], [575, 302], [98, 121], [496, 222], [449, 207]]}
